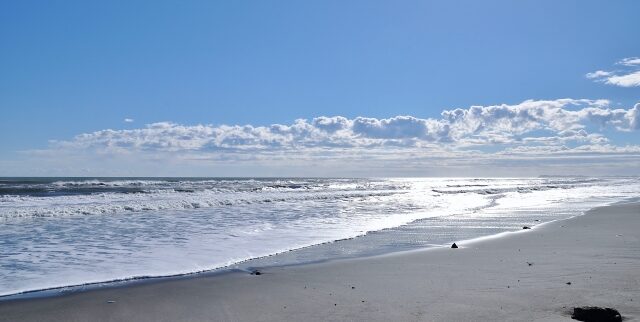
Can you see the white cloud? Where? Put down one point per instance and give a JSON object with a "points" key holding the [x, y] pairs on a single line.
{"points": [[128, 120], [498, 139], [629, 76], [598, 74], [556, 121], [628, 80], [631, 61]]}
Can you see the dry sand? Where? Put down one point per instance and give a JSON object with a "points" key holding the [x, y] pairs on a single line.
{"points": [[521, 276]]}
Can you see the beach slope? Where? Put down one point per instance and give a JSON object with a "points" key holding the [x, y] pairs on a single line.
{"points": [[533, 275]]}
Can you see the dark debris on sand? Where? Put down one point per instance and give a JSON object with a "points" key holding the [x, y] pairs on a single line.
{"points": [[454, 245], [596, 314]]}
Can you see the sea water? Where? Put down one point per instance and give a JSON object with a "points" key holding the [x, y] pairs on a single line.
{"points": [[57, 232]]}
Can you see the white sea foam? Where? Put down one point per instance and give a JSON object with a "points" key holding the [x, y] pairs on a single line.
{"points": [[65, 232]]}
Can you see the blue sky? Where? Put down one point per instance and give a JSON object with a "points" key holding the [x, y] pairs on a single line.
{"points": [[80, 67]]}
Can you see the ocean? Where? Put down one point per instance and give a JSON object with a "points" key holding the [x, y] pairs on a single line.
{"points": [[61, 232]]}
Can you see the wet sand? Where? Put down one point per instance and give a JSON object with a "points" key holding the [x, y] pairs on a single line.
{"points": [[532, 275]]}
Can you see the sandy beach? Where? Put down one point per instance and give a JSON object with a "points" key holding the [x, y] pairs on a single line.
{"points": [[533, 275]]}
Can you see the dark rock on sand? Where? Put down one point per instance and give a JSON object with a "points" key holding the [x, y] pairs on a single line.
{"points": [[596, 314], [454, 245], [526, 227], [256, 273]]}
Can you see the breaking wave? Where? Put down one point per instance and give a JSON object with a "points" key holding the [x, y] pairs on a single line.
{"points": [[57, 232]]}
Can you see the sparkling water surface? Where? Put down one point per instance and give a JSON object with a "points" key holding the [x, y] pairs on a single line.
{"points": [[70, 231]]}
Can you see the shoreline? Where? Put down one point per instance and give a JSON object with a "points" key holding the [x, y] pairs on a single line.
{"points": [[397, 285], [84, 251], [242, 267]]}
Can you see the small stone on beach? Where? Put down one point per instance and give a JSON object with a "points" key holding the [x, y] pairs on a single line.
{"points": [[256, 272], [454, 245], [526, 227]]}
